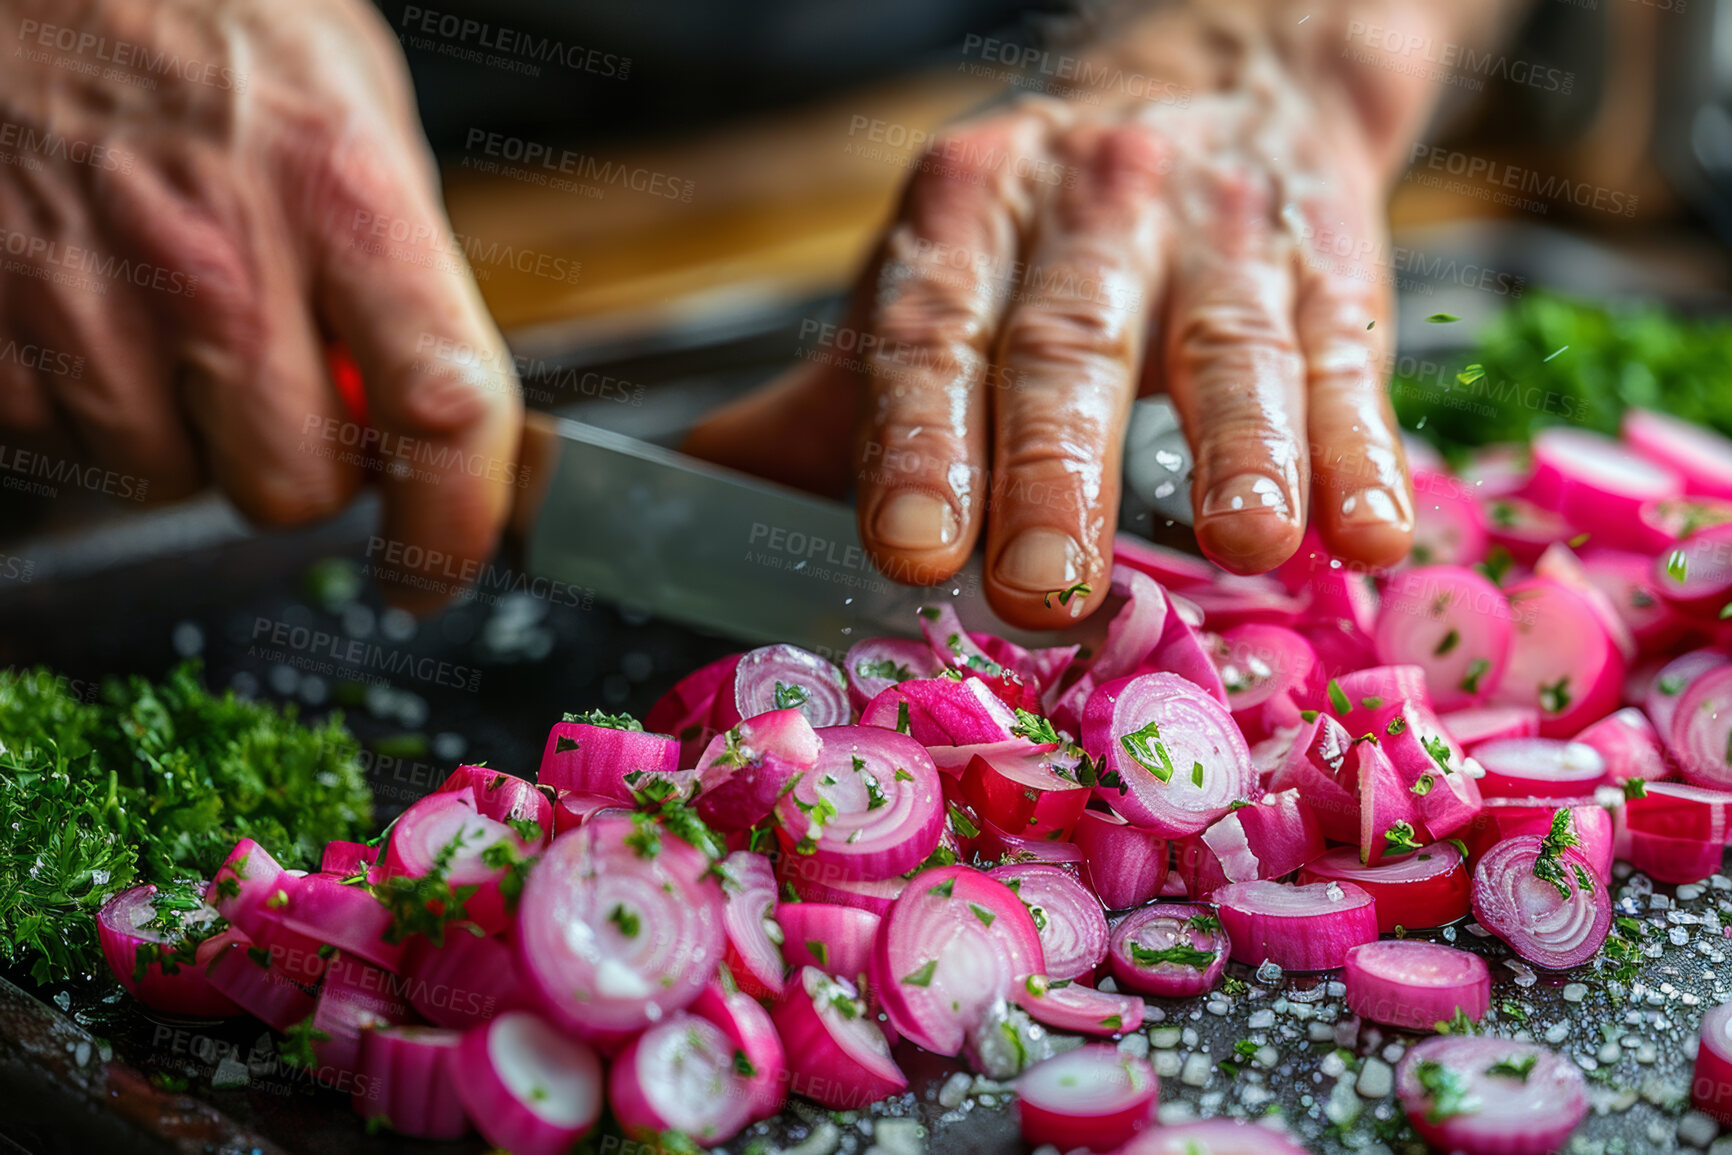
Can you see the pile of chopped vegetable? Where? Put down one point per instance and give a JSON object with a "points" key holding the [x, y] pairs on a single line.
{"points": [[1005, 856], [135, 782]]}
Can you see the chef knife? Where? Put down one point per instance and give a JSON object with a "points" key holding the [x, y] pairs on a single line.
{"points": [[644, 526]]}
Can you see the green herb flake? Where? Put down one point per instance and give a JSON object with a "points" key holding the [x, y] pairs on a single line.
{"points": [[626, 920], [1476, 670], [1144, 747], [1400, 837], [985, 916], [1338, 698], [1065, 595], [1035, 728], [1447, 1090], [607, 721], [791, 697], [923, 976], [1676, 567], [1562, 836], [1181, 953], [1449, 642]]}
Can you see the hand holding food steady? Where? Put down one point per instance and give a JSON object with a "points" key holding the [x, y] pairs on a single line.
{"points": [[196, 198], [1217, 236]]}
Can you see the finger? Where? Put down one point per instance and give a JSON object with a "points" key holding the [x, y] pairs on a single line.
{"points": [[935, 301], [110, 377], [1362, 502], [246, 351], [1069, 357], [442, 394], [1234, 369]]}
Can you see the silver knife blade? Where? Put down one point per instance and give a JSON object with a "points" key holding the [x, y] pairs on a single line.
{"points": [[709, 547]]}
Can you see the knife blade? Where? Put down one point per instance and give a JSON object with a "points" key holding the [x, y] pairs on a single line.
{"points": [[709, 547]]}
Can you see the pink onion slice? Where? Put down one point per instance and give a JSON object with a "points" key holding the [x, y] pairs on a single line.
{"points": [[743, 772], [301, 957], [592, 759], [1415, 985], [758, 1055], [575, 809], [1711, 1084], [1299, 928], [462, 983], [951, 946], [1666, 690], [1480, 1094], [1593, 481], [619, 926], [837, 1054], [1125, 865], [1538, 768], [1072, 929], [1700, 738], [748, 916], [247, 877], [1181, 760], [1266, 669], [1695, 576], [1451, 622], [1389, 818], [1424, 888], [1173, 950], [1479, 724], [876, 664], [684, 711], [1213, 1137], [1560, 564], [409, 1076], [1135, 630], [1665, 858], [1440, 777], [345, 859], [356, 995], [1626, 740], [243, 974], [1522, 528], [1448, 528], [680, 1075], [1173, 568], [1561, 660], [1626, 580], [1271, 837], [1070, 1006], [529, 1089], [1548, 927], [783, 677], [1091, 1097], [1028, 793], [1702, 457], [1312, 766], [836, 939], [871, 807], [813, 881], [503, 797], [1681, 811], [160, 956], [449, 828]]}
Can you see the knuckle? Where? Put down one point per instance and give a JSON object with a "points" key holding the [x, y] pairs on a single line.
{"points": [[1231, 336], [1132, 158], [1070, 334]]}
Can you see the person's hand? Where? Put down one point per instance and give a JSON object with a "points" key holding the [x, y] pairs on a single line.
{"points": [[1051, 260], [196, 197]]}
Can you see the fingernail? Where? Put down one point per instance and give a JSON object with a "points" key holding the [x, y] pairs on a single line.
{"points": [[1040, 560], [915, 520], [1375, 506], [1248, 491]]}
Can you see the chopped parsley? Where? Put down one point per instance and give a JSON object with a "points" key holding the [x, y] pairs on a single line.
{"points": [[1400, 837], [1556, 696], [1676, 567], [604, 719], [1476, 670], [923, 976], [1035, 728], [883, 668], [1065, 595], [1447, 1089], [1181, 953], [1338, 698], [1514, 1068], [791, 697], [1423, 786], [1438, 747], [1207, 923], [1144, 747], [1546, 866], [1449, 642], [626, 920]]}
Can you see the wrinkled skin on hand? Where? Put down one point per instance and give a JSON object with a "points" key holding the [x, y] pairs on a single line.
{"points": [[1051, 261], [197, 197]]}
